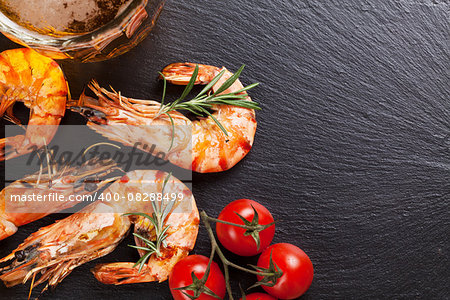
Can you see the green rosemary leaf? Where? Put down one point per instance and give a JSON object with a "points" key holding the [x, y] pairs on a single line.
{"points": [[226, 97], [154, 216], [152, 220], [211, 84], [141, 261], [152, 246], [248, 87], [166, 180], [248, 104], [217, 121], [163, 232], [140, 248], [197, 107], [144, 260], [240, 103], [148, 242], [192, 110], [189, 87], [229, 82], [173, 131], [164, 236], [199, 99], [138, 262], [167, 209], [164, 88]]}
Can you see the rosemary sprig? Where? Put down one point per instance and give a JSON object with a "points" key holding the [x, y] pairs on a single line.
{"points": [[158, 219], [200, 104]]}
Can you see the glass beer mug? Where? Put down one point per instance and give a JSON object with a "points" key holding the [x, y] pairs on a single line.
{"points": [[83, 30]]}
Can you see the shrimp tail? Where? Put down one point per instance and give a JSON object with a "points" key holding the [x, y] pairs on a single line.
{"points": [[181, 73], [7, 228], [127, 272], [121, 273]]}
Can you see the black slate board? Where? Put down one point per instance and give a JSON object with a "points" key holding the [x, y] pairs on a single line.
{"points": [[352, 149]]}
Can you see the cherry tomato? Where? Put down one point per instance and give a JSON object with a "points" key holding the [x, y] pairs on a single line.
{"points": [[233, 238], [259, 296], [297, 270], [181, 277]]}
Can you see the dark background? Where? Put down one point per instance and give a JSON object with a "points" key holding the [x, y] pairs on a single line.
{"points": [[352, 149]]}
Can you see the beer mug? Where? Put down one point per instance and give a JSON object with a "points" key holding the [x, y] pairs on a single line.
{"points": [[83, 30]]}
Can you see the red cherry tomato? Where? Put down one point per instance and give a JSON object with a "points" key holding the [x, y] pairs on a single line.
{"points": [[233, 238], [297, 270], [181, 277], [259, 296]]}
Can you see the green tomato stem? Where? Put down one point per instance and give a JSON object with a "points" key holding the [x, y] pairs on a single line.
{"points": [[258, 227], [226, 263]]}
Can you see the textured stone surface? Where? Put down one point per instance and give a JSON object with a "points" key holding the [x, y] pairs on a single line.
{"points": [[352, 150]]}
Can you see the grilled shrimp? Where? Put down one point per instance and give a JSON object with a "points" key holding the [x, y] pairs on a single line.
{"points": [[66, 181], [39, 83], [54, 251], [204, 149]]}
